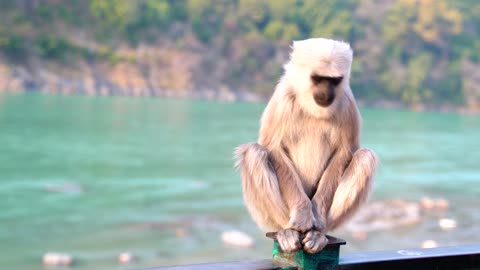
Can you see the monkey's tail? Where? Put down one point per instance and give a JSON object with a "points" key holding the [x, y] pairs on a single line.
{"points": [[261, 191]]}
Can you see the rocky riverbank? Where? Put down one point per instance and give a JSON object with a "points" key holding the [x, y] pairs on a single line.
{"points": [[156, 71], [173, 78], [146, 71]]}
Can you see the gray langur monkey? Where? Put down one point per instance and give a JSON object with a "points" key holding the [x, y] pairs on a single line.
{"points": [[307, 174]]}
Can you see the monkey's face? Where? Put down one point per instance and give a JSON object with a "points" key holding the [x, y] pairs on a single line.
{"points": [[318, 72], [318, 92], [324, 89]]}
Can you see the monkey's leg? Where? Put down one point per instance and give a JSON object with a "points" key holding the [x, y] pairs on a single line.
{"points": [[302, 218], [340, 193], [354, 187], [263, 192], [315, 240]]}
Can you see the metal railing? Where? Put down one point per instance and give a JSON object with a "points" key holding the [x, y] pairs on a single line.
{"points": [[465, 257]]}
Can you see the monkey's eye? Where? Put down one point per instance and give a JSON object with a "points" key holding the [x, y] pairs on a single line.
{"points": [[336, 80], [316, 79]]}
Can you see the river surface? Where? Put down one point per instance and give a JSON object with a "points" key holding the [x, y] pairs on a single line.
{"points": [[94, 177]]}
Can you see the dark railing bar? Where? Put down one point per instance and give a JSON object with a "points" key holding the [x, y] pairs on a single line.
{"points": [[453, 257], [238, 265], [409, 254], [465, 257]]}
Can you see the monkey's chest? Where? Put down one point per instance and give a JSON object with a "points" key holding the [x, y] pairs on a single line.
{"points": [[310, 156]]}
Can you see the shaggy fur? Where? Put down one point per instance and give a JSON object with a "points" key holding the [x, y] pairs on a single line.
{"points": [[307, 175]]}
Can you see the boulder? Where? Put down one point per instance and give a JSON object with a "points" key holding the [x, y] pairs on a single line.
{"points": [[237, 238], [57, 259]]}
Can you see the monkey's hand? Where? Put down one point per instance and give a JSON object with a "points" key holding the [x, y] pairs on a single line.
{"points": [[289, 240], [303, 219], [314, 241]]}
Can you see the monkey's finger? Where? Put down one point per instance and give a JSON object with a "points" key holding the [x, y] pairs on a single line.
{"points": [[282, 244], [316, 244], [320, 244], [309, 236], [296, 243], [284, 240], [287, 245], [289, 240], [292, 244], [293, 239]]}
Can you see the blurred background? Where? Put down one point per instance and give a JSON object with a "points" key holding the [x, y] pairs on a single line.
{"points": [[118, 121]]}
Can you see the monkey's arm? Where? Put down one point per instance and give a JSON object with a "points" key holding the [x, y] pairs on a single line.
{"points": [[273, 132], [346, 144], [327, 186], [301, 215]]}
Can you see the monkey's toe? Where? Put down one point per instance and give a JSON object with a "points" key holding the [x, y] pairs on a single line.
{"points": [[289, 240], [314, 241]]}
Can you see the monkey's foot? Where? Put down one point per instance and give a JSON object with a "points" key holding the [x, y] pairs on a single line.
{"points": [[314, 241], [289, 240]]}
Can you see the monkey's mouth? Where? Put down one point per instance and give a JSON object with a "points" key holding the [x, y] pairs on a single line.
{"points": [[324, 99]]}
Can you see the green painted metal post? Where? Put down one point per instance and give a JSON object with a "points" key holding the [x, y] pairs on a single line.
{"points": [[326, 259]]}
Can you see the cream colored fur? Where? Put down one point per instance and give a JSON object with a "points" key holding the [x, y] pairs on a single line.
{"points": [[307, 174]]}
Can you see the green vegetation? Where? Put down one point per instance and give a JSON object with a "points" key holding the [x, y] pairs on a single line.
{"points": [[414, 51]]}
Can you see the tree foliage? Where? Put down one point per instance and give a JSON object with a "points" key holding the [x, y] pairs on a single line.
{"points": [[414, 51]]}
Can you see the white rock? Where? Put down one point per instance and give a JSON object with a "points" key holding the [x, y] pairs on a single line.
{"points": [[384, 215], [429, 244], [65, 188], [434, 204], [180, 232], [447, 223], [360, 235], [125, 257], [427, 203], [57, 259], [237, 238], [442, 204]]}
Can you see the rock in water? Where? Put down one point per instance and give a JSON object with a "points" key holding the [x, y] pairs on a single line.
{"points": [[125, 257], [383, 215], [434, 204], [427, 203], [57, 259], [429, 244], [442, 204], [65, 188], [447, 223], [237, 238]]}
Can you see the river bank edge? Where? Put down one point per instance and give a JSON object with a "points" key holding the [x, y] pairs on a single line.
{"points": [[228, 96]]}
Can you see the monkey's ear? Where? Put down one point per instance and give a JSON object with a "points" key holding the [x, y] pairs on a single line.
{"points": [[297, 44], [294, 45]]}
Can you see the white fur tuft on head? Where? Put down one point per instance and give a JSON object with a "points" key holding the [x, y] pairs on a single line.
{"points": [[333, 57]]}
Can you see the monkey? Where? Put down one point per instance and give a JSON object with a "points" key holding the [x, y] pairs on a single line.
{"points": [[306, 174]]}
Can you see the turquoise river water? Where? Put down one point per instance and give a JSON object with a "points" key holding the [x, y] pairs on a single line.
{"points": [[95, 177]]}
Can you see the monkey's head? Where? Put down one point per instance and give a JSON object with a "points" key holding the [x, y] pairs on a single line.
{"points": [[319, 73]]}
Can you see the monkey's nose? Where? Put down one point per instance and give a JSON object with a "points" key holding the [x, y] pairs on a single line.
{"points": [[323, 99]]}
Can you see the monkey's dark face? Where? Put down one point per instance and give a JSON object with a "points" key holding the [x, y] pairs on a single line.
{"points": [[324, 89]]}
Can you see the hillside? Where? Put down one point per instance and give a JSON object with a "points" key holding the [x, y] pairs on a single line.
{"points": [[412, 53]]}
